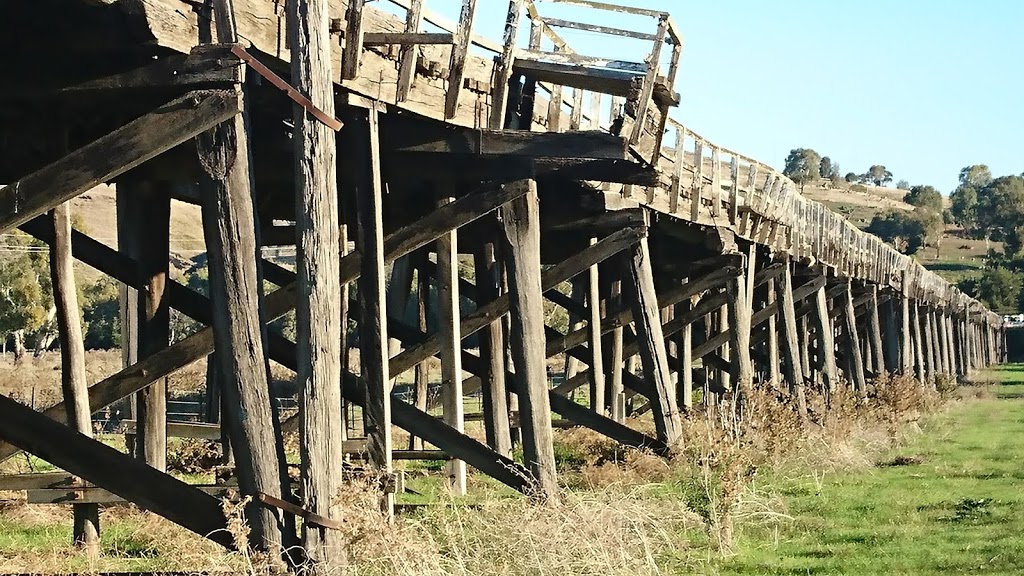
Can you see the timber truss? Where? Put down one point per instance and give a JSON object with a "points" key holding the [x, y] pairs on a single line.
{"points": [[683, 281]]}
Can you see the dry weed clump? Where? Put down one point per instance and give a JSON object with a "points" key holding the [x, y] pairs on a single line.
{"points": [[601, 532]]}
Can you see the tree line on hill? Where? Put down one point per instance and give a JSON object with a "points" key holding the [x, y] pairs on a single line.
{"points": [[983, 207]]}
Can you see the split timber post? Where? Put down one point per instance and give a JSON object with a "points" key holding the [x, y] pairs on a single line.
{"points": [[891, 339], [128, 295], [685, 382], [451, 334], [875, 332], [921, 359], [421, 375], [739, 307], [793, 365], [616, 390], [774, 373], [933, 338], [597, 381], [825, 337], [229, 225], [363, 152], [318, 312], [492, 354], [653, 354], [521, 219], [147, 228], [854, 355], [86, 531], [906, 345]]}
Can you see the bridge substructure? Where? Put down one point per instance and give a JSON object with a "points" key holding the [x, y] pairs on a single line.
{"points": [[491, 180]]}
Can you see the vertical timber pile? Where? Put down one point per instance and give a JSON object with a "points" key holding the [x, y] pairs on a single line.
{"points": [[153, 219], [854, 356], [363, 174], [492, 352], [875, 332], [790, 340], [521, 219], [451, 349], [318, 306], [597, 382], [650, 338], [229, 226], [73, 381], [825, 340]]}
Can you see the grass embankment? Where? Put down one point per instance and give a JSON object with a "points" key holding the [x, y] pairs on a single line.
{"points": [[948, 501]]}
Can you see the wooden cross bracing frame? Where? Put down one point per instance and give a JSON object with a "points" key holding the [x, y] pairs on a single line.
{"points": [[712, 236]]}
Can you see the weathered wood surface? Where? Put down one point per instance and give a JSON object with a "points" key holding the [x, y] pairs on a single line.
{"points": [[120, 474], [113, 154], [86, 529], [522, 261], [229, 222], [318, 316]]}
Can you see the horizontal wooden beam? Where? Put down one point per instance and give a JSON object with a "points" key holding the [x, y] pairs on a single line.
{"points": [[114, 471], [586, 145], [114, 154]]}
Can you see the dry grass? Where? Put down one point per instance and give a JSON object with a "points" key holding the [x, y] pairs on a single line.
{"points": [[621, 511]]}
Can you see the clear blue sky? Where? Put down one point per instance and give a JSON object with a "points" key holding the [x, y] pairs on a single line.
{"points": [[922, 86]]}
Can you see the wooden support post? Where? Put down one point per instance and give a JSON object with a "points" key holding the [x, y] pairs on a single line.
{"points": [[934, 351], [891, 338], [522, 237], [492, 355], [86, 530], [906, 346], [352, 55], [953, 369], [503, 70], [229, 225], [875, 333], [614, 369], [129, 296], [740, 325], [451, 349], [921, 359], [457, 62], [597, 382], [854, 355], [943, 341], [364, 177], [576, 295], [685, 383], [722, 319], [774, 362], [151, 207], [408, 54], [319, 304], [422, 374], [791, 349], [825, 339], [646, 317]]}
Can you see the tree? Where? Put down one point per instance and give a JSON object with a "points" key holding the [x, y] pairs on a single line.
{"points": [[102, 314], [903, 185], [925, 197], [997, 287], [828, 169], [851, 177], [976, 176], [878, 175], [1000, 211], [803, 165], [24, 291], [908, 231], [965, 198], [964, 206]]}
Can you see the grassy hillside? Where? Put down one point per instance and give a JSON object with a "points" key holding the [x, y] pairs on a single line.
{"points": [[957, 257]]}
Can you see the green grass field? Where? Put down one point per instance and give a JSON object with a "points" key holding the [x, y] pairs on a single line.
{"points": [[948, 502]]}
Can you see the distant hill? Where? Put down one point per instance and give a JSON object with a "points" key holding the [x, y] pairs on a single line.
{"points": [[958, 257]]}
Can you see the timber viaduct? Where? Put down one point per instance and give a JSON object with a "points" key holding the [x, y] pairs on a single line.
{"points": [[696, 273]]}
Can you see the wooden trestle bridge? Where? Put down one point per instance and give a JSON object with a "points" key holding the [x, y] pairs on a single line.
{"points": [[541, 165]]}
